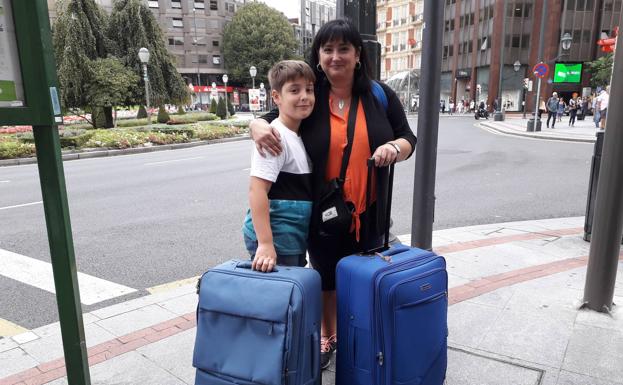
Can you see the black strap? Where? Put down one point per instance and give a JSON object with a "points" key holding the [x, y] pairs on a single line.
{"points": [[350, 135]]}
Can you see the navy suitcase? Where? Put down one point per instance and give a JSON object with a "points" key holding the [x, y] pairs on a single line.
{"points": [[392, 316], [258, 328]]}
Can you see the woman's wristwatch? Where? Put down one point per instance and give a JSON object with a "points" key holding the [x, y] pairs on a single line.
{"points": [[394, 145]]}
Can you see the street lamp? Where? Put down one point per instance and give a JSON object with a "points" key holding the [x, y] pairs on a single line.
{"points": [[262, 98], [196, 42], [565, 41], [253, 72], [143, 56], [225, 78]]}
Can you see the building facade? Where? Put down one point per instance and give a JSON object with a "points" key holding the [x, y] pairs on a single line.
{"points": [[314, 13], [473, 56], [399, 31]]}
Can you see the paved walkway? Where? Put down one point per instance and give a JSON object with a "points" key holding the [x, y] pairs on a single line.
{"points": [[514, 318], [582, 131]]}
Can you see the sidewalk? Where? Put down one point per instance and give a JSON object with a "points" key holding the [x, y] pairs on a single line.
{"points": [[582, 131], [515, 290]]}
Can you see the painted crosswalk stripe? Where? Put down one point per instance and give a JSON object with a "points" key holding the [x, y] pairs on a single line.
{"points": [[9, 329], [22, 205], [37, 273]]}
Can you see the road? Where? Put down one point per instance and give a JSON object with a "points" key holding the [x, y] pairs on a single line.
{"points": [[148, 219]]}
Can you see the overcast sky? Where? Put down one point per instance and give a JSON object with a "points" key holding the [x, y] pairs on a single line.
{"points": [[289, 7]]}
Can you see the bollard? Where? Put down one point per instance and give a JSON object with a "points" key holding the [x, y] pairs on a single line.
{"points": [[592, 186]]}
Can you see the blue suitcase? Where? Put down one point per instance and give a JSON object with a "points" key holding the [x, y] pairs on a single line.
{"points": [[392, 316], [258, 328]]}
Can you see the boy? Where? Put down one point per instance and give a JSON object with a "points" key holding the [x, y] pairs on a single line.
{"points": [[280, 199]]}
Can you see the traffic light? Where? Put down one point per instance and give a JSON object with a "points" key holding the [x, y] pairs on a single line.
{"points": [[607, 45]]}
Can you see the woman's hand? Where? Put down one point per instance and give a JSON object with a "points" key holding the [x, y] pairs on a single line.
{"points": [[266, 138], [385, 155]]}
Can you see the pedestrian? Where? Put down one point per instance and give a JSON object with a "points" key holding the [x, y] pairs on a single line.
{"points": [[552, 109], [340, 61], [280, 198], [451, 107], [560, 110], [443, 106], [573, 110], [603, 99], [542, 108]]}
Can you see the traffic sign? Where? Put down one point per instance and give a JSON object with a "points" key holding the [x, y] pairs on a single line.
{"points": [[540, 70]]}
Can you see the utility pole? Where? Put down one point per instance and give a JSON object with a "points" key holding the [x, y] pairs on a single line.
{"points": [[197, 57], [534, 124], [603, 257], [499, 114], [428, 127], [363, 14]]}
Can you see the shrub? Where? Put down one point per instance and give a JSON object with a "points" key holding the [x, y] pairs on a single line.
{"points": [[77, 126], [221, 111], [142, 113], [183, 119], [99, 117], [230, 107], [186, 131], [26, 137], [180, 110], [203, 116], [116, 138], [163, 115], [132, 122], [213, 106], [11, 149], [210, 132], [74, 138]]}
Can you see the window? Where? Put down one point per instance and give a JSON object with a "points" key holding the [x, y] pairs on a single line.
{"points": [[230, 7], [178, 22], [199, 4], [153, 4], [570, 5], [176, 41], [213, 5], [176, 3], [212, 24], [216, 59], [215, 43], [608, 6], [199, 41]]}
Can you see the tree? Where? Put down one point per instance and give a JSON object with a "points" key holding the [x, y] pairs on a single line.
{"points": [[132, 26], [78, 39], [230, 107], [257, 35], [213, 106], [163, 115], [601, 70], [221, 111], [110, 84]]}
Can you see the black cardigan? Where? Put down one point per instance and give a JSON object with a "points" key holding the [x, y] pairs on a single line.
{"points": [[383, 125]]}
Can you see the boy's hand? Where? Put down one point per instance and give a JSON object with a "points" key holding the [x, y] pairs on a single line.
{"points": [[265, 258]]}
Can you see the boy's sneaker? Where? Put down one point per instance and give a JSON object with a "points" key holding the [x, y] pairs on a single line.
{"points": [[328, 345]]}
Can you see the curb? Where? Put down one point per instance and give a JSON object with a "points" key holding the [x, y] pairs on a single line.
{"points": [[88, 154], [510, 131]]}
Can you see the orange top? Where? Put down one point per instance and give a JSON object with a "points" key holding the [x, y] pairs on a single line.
{"points": [[355, 181]]}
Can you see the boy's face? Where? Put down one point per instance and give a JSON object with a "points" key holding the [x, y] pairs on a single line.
{"points": [[296, 99]]}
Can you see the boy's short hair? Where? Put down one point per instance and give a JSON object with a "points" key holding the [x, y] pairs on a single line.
{"points": [[288, 70]]}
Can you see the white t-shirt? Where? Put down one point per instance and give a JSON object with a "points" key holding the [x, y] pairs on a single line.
{"points": [[603, 99]]}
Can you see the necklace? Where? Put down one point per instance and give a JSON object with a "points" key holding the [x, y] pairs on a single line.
{"points": [[340, 104]]}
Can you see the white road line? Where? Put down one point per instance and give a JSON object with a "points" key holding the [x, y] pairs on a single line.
{"points": [[246, 169], [23, 205], [39, 274], [4, 181], [171, 161]]}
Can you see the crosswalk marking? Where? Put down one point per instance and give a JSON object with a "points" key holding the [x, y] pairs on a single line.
{"points": [[39, 274], [9, 329], [22, 205], [172, 285]]}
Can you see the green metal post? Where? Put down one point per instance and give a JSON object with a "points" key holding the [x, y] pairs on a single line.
{"points": [[56, 208]]}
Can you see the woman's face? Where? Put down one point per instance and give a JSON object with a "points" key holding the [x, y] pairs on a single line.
{"points": [[338, 59]]}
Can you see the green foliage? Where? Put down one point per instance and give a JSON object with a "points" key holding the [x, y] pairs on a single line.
{"points": [[213, 105], [258, 35], [601, 70], [201, 116], [78, 39], [132, 122], [116, 138], [74, 138], [163, 115], [14, 149], [221, 111], [142, 113], [211, 132], [180, 110], [184, 130], [132, 26], [230, 108], [99, 117], [110, 83]]}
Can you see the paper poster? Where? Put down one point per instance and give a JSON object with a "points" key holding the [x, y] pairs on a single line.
{"points": [[254, 99], [11, 86]]}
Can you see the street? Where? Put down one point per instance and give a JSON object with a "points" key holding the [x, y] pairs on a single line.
{"points": [[145, 220]]}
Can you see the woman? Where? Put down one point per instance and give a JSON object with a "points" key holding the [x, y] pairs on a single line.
{"points": [[561, 108], [342, 72]]}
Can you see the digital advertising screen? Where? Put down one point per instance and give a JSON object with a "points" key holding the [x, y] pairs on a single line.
{"points": [[568, 73]]}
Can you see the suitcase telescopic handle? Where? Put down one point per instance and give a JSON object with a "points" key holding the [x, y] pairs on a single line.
{"points": [[388, 204], [249, 265]]}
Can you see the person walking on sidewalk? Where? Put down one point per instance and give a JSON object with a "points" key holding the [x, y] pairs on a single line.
{"points": [[552, 109], [573, 110], [603, 99], [561, 108], [340, 62]]}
